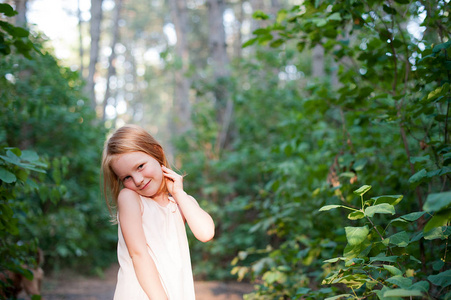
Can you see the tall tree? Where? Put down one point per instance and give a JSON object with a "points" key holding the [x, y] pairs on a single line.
{"points": [[318, 62], [21, 8], [237, 41], [96, 19], [221, 71], [182, 106], [111, 58], [80, 38]]}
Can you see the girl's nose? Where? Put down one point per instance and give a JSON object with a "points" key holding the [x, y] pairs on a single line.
{"points": [[138, 179]]}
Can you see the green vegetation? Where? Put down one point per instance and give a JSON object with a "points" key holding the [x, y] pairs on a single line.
{"points": [[379, 116], [332, 187], [49, 189]]}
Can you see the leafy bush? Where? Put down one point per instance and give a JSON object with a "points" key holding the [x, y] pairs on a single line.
{"points": [[17, 179], [381, 260], [43, 110], [386, 122]]}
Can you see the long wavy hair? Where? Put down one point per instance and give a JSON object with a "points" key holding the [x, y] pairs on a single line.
{"points": [[129, 138]]}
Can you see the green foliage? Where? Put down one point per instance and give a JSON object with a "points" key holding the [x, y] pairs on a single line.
{"points": [[386, 122], [17, 176], [376, 263], [43, 110], [302, 143], [12, 36]]}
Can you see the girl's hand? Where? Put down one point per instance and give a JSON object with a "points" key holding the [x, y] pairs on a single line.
{"points": [[174, 181]]}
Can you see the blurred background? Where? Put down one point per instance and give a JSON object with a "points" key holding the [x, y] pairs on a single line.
{"points": [[273, 109]]}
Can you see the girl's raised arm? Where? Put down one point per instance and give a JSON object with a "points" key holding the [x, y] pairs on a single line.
{"points": [[199, 221], [130, 220]]}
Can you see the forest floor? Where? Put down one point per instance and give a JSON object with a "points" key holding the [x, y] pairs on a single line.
{"points": [[71, 287]]}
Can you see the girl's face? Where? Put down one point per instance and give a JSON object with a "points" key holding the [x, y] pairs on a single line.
{"points": [[139, 172]]}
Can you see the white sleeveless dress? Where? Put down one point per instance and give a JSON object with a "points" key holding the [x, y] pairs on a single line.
{"points": [[167, 244]]}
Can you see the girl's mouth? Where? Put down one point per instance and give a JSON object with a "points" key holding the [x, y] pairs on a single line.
{"points": [[146, 185]]}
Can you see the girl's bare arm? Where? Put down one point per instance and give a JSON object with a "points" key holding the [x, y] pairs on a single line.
{"points": [[199, 221], [130, 219]]}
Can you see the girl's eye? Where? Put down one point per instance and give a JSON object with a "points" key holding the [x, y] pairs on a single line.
{"points": [[126, 178], [140, 166]]}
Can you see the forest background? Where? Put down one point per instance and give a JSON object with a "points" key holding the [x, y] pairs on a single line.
{"points": [[315, 132]]}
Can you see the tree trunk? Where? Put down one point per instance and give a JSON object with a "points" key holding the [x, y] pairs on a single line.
{"points": [[318, 62], [80, 38], [96, 19], [111, 67], [237, 46], [21, 17], [181, 120], [221, 72]]}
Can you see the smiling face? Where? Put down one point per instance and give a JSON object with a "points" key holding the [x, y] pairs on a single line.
{"points": [[139, 172]]}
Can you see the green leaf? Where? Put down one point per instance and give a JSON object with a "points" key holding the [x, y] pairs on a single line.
{"points": [[437, 201], [277, 43], [400, 281], [354, 261], [30, 156], [439, 219], [335, 17], [12, 158], [409, 217], [7, 176], [281, 15], [438, 233], [384, 208], [390, 199], [417, 236], [329, 207], [438, 264], [21, 32], [332, 260], [356, 235], [442, 279], [362, 190], [7, 10], [259, 15], [249, 42], [440, 47], [339, 297], [413, 216], [415, 159], [393, 270], [400, 239], [261, 31], [389, 10], [413, 258], [302, 291], [418, 176], [422, 286], [356, 215], [384, 258], [403, 293], [319, 22], [360, 250], [273, 276]]}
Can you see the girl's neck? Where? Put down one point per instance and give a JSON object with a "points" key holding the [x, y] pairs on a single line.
{"points": [[161, 198]]}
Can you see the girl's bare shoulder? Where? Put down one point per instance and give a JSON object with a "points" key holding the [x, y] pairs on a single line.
{"points": [[128, 199]]}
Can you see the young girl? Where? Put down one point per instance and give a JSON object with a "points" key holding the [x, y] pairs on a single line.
{"points": [[152, 209]]}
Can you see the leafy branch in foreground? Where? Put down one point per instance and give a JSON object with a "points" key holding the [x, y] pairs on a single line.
{"points": [[377, 262]]}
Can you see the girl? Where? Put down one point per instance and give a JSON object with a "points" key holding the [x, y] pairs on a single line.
{"points": [[152, 209]]}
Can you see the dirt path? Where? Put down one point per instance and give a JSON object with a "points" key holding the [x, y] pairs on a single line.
{"points": [[71, 287]]}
